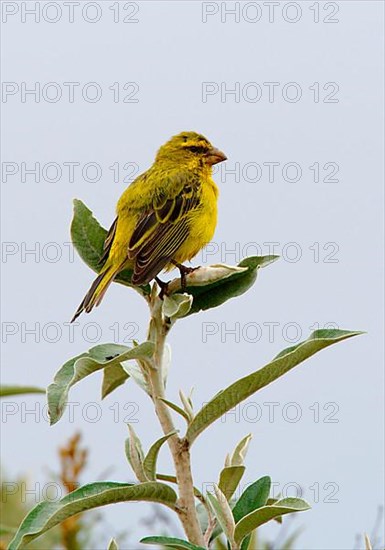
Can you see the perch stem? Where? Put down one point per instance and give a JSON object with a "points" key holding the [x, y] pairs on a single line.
{"points": [[179, 447]]}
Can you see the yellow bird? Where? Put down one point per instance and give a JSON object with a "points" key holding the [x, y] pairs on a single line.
{"points": [[164, 218]]}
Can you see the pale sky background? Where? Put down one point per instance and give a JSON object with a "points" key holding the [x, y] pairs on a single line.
{"points": [[169, 53]]}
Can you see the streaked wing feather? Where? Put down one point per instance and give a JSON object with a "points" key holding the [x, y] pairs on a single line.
{"points": [[154, 257], [108, 241], [159, 233], [144, 227]]}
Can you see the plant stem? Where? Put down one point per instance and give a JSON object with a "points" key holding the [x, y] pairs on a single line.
{"points": [[179, 447]]}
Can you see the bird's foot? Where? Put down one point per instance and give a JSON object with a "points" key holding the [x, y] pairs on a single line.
{"points": [[163, 288], [184, 270]]}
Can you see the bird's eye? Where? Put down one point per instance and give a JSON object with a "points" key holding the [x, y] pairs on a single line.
{"points": [[196, 149]]}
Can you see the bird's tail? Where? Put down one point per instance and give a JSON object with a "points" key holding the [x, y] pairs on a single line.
{"points": [[96, 292]]}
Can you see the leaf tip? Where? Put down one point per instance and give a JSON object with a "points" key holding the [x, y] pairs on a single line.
{"points": [[272, 258], [77, 203]]}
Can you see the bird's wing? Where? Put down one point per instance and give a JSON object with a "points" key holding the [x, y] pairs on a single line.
{"points": [[161, 230], [108, 242]]}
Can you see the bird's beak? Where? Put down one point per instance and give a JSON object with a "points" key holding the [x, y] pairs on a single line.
{"points": [[215, 155]]}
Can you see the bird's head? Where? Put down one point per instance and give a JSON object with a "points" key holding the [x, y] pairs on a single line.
{"points": [[192, 149]]}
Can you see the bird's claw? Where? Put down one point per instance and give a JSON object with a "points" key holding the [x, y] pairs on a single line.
{"points": [[163, 288], [184, 270]]}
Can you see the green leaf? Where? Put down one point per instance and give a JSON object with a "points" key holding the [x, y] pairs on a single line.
{"points": [[113, 377], [136, 373], [262, 515], [217, 293], [271, 501], [187, 405], [176, 408], [46, 515], [240, 390], [6, 391], [177, 305], [240, 451], [253, 497], [149, 463], [100, 357], [88, 238], [223, 513], [229, 479], [113, 545], [246, 542], [172, 542], [134, 454]]}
